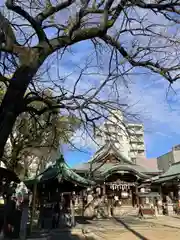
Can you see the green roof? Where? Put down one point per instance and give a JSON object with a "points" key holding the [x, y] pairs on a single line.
{"points": [[102, 169], [173, 170], [171, 174], [106, 169], [61, 171], [167, 179], [120, 167]]}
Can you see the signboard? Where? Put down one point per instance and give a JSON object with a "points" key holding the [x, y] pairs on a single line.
{"points": [[120, 185]]}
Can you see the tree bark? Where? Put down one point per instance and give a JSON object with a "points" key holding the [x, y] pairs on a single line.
{"points": [[12, 102]]}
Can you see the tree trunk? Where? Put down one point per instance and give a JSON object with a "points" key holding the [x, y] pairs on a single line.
{"points": [[33, 205], [72, 211], [12, 103]]}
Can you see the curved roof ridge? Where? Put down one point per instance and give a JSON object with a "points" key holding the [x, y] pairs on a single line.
{"points": [[106, 149], [61, 170], [123, 168]]}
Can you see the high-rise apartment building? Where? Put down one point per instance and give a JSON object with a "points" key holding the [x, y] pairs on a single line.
{"points": [[127, 137]]}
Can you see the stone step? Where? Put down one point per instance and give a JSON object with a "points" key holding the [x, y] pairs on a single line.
{"points": [[126, 210]]}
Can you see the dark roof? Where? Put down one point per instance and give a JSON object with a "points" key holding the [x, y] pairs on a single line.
{"points": [[61, 171]]}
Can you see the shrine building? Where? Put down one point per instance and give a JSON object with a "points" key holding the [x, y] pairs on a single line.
{"points": [[116, 175]]}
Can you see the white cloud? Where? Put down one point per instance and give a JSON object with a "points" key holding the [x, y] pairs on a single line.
{"points": [[83, 140], [157, 109]]}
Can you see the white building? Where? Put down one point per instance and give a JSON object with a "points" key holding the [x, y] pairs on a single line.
{"points": [[127, 137]]}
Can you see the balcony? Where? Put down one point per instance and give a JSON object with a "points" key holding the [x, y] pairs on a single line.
{"points": [[135, 126], [134, 133], [137, 140]]}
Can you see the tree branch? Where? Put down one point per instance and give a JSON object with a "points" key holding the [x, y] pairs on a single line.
{"points": [[51, 10], [36, 26], [7, 36], [155, 67], [79, 35], [159, 6]]}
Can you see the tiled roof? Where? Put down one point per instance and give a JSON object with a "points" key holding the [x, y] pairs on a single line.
{"points": [[97, 166], [106, 168], [173, 170], [61, 170], [107, 149], [171, 174], [167, 179]]}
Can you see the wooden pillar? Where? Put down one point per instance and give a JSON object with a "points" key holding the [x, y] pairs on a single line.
{"points": [[104, 190], [82, 200], [137, 196], [72, 210], [178, 189], [34, 194]]}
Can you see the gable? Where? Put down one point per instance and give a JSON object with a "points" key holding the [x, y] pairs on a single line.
{"points": [[110, 153], [110, 158]]}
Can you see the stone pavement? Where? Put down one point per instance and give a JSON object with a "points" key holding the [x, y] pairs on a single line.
{"points": [[64, 234], [166, 221], [163, 227]]}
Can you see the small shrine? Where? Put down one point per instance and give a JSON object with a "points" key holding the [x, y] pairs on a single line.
{"points": [[58, 178], [58, 184]]}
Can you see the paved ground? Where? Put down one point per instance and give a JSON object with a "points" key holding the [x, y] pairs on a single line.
{"points": [[133, 228], [148, 234], [166, 228]]}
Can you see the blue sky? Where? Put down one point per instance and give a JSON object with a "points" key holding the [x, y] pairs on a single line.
{"points": [[150, 98], [159, 145], [160, 117], [147, 95]]}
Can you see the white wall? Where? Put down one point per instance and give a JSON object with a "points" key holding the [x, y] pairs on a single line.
{"points": [[121, 134]]}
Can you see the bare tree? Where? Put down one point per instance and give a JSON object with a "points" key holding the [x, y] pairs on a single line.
{"points": [[34, 31], [33, 141]]}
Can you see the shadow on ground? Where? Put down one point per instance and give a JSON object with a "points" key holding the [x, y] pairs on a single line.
{"points": [[139, 222], [56, 235], [82, 220], [65, 235], [137, 234], [133, 221], [166, 225]]}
